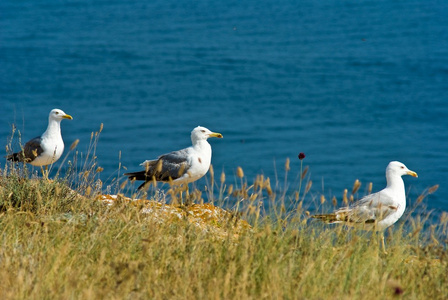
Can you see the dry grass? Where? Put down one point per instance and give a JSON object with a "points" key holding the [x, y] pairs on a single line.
{"points": [[56, 244]]}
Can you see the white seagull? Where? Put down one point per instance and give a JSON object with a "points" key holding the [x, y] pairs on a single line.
{"points": [[47, 148], [182, 166], [379, 210]]}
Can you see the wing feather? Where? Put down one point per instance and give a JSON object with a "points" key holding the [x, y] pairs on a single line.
{"points": [[372, 208], [30, 151], [170, 166]]}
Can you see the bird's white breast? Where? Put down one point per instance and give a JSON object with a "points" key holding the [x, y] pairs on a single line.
{"points": [[199, 160], [53, 147], [399, 201]]}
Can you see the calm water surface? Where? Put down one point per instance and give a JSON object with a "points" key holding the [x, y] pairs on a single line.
{"points": [[352, 84]]}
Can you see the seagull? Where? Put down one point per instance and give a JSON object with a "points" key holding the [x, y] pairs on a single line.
{"points": [[182, 166], [379, 210], [47, 148]]}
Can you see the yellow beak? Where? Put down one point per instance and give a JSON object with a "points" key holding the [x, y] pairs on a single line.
{"points": [[215, 134], [67, 117], [412, 173]]}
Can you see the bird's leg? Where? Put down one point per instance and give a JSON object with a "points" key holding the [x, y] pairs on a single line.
{"points": [[180, 188], [187, 196], [44, 174], [383, 244], [47, 173]]}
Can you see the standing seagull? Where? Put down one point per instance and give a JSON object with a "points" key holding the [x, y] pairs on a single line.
{"points": [[379, 210], [47, 148], [182, 166]]}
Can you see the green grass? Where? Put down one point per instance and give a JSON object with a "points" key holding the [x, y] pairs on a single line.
{"points": [[56, 244]]}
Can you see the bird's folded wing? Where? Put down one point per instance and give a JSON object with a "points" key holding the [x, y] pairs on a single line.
{"points": [[370, 209], [168, 166], [32, 149]]}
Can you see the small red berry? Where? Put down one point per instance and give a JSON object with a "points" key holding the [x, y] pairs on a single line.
{"points": [[301, 155]]}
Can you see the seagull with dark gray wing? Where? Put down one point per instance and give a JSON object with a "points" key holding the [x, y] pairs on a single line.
{"points": [[47, 148], [182, 166]]}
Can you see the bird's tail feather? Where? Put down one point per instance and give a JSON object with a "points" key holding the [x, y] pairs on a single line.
{"points": [[141, 175], [15, 156], [329, 218]]}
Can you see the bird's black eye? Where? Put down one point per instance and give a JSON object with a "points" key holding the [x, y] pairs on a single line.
{"points": [[57, 112], [202, 130], [402, 167]]}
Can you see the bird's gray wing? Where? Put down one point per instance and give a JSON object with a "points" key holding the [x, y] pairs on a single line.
{"points": [[169, 166], [33, 149], [375, 199], [30, 151], [370, 209]]}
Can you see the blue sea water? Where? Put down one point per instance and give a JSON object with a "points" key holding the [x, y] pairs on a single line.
{"points": [[352, 84]]}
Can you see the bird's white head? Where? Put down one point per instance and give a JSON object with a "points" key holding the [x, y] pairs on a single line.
{"points": [[398, 168], [202, 133], [58, 115]]}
